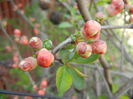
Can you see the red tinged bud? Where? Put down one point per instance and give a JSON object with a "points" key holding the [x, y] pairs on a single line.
{"points": [[8, 48], [35, 43], [100, 17], [99, 47], [16, 39], [17, 33], [115, 7], [84, 49], [35, 87], [41, 92], [27, 97], [45, 58], [15, 59], [28, 64], [131, 19], [131, 9], [91, 29], [14, 66], [36, 32], [43, 84], [24, 40]]}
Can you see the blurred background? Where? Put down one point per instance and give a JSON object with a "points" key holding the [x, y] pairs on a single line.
{"points": [[56, 20]]}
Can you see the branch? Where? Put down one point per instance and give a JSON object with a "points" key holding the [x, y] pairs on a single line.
{"points": [[27, 94], [130, 26], [123, 89], [61, 45], [86, 15], [83, 10], [105, 66], [20, 57], [106, 84]]}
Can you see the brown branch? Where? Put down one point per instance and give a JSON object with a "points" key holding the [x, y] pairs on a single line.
{"points": [[86, 16], [83, 10], [105, 66], [20, 57], [130, 26], [123, 89]]}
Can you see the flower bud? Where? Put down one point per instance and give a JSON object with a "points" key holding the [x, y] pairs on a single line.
{"points": [[41, 92], [43, 84], [115, 7], [91, 28], [99, 47], [84, 49], [17, 33], [35, 43], [45, 58], [24, 40], [28, 64]]}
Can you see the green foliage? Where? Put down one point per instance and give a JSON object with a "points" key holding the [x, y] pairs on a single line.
{"points": [[81, 60], [114, 87], [65, 25], [102, 97], [47, 44], [124, 97], [77, 81], [63, 79], [101, 2], [66, 55]]}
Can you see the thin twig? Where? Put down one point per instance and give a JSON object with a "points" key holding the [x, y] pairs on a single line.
{"points": [[28, 94], [20, 57]]}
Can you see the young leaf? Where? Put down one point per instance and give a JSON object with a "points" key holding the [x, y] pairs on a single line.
{"points": [[77, 80], [114, 87], [81, 60], [63, 79], [124, 97], [47, 44], [66, 55], [65, 25]]}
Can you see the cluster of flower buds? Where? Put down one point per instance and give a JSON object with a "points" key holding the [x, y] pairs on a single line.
{"points": [[130, 9], [100, 17], [91, 32], [115, 7], [44, 57], [20, 39]]}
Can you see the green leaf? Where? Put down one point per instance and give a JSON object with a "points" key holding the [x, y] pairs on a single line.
{"points": [[102, 97], [77, 81], [65, 25], [47, 44], [81, 60], [114, 87], [100, 2], [66, 55], [63, 79], [124, 97]]}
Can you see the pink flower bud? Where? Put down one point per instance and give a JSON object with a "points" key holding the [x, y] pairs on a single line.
{"points": [[36, 32], [14, 65], [17, 33], [115, 7], [99, 47], [28, 64], [45, 58], [27, 97], [24, 40], [8, 48], [41, 92], [84, 49], [91, 28], [15, 59], [35, 43], [43, 84]]}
